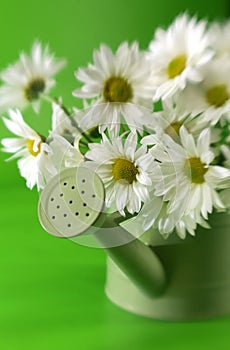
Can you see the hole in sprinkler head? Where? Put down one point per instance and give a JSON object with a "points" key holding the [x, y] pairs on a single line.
{"points": [[65, 183], [58, 206], [65, 215], [52, 199], [83, 180], [53, 217], [77, 213], [84, 204], [93, 195], [61, 194], [73, 187], [69, 225], [82, 192], [87, 214], [70, 202]]}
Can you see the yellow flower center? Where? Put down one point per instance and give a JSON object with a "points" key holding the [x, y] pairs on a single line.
{"points": [[196, 170], [123, 169], [30, 146], [117, 89], [173, 130], [34, 89], [217, 95], [176, 66]]}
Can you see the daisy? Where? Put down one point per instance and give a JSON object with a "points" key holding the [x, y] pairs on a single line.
{"points": [[125, 171], [121, 84], [176, 54], [184, 176], [29, 78], [155, 215], [212, 96], [169, 121], [35, 154], [188, 224]]}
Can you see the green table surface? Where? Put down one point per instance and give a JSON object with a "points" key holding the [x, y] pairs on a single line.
{"points": [[52, 290], [52, 294]]}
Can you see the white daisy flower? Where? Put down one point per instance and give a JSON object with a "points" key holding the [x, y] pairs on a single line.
{"points": [[154, 214], [121, 84], [35, 155], [212, 96], [169, 121], [188, 224], [220, 38], [31, 76], [176, 54], [184, 176], [125, 171]]}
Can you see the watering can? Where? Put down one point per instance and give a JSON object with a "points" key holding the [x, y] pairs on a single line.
{"points": [[168, 279]]}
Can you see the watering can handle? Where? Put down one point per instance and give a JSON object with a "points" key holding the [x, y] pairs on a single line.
{"points": [[138, 261]]}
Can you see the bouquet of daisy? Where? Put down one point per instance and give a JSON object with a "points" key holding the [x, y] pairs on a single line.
{"points": [[154, 124]]}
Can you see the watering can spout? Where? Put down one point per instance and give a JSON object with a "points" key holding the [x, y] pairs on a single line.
{"points": [[137, 261]]}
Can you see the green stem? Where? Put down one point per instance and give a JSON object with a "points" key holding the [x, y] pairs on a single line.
{"points": [[67, 112]]}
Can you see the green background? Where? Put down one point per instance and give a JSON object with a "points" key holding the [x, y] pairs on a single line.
{"points": [[52, 290]]}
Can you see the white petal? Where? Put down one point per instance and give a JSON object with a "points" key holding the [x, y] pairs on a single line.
{"points": [[203, 141], [121, 196], [13, 145]]}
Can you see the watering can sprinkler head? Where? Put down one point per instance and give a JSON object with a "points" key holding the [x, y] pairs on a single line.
{"points": [[73, 204]]}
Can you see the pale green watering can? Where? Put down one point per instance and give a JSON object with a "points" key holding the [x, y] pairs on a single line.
{"points": [[169, 279]]}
